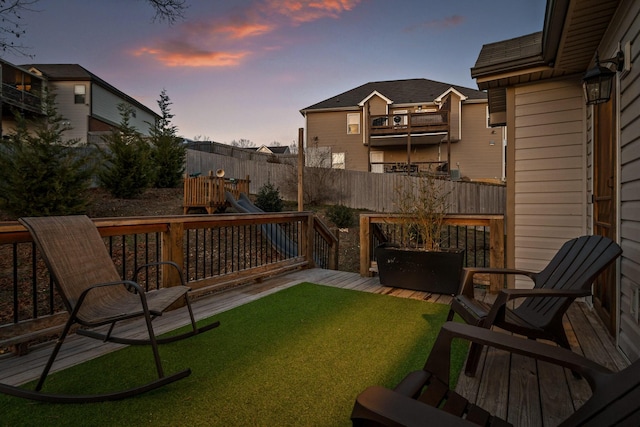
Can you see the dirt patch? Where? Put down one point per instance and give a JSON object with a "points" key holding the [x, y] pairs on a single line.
{"points": [[168, 201]]}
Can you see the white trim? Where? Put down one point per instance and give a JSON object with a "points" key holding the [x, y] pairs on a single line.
{"points": [[447, 92], [371, 95]]}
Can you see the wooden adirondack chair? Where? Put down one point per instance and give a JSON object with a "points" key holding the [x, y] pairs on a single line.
{"points": [[568, 276], [423, 397], [95, 295]]}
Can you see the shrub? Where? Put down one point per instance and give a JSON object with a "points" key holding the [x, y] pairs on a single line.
{"points": [[40, 173], [268, 198], [341, 215], [127, 171], [168, 153]]}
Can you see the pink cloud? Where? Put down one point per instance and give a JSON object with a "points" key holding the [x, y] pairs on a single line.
{"points": [[228, 42], [193, 58], [300, 11], [243, 31]]}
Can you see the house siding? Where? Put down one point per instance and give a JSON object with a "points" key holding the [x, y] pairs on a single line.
{"points": [[550, 171], [479, 153], [74, 113], [329, 129], [478, 158], [625, 27], [105, 107]]}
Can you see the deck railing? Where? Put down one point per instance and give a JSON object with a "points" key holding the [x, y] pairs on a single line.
{"points": [[402, 123], [482, 237], [217, 251], [209, 191]]}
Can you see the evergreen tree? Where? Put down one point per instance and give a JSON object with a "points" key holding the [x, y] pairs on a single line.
{"points": [[127, 169], [41, 174], [168, 152]]}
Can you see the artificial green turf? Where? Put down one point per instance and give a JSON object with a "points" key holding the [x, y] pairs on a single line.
{"points": [[297, 357]]}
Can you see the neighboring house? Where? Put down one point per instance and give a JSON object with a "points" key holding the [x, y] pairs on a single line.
{"points": [[573, 168], [89, 103], [21, 91], [275, 149], [407, 125]]}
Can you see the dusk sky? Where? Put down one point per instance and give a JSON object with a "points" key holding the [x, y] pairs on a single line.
{"points": [[243, 69]]}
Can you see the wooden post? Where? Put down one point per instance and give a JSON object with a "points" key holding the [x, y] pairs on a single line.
{"points": [[300, 169], [307, 241], [496, 253], [172, 250], [365, 246], [408, 143]]}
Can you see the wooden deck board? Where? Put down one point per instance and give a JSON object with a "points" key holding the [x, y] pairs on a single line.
{"points": [[517, 388], [524, 398]]}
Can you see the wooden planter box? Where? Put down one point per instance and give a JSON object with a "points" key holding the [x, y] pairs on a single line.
{"points": [[427, 271]]}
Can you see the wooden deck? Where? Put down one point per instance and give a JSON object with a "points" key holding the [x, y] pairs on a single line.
{"points": [[519, 389]]}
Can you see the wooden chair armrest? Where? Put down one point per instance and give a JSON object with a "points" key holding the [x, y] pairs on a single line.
{"points": [[380, 406], [507, 295], [522, 293], [591, 371], [466, 287]]}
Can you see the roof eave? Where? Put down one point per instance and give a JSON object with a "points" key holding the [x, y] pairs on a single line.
{"points": [[329, 110]]}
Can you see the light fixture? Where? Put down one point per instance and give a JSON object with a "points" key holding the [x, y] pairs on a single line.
{"points": [[597, 81]]}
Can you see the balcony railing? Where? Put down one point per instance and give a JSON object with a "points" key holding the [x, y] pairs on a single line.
{"points": [[217, 252], [20, 98], [403, 123]]}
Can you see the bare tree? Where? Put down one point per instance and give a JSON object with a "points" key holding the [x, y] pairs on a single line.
{"points": [[12, 24], [242, 143], [169, 10]]}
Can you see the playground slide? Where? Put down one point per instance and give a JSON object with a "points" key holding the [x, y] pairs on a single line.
{"points": [[273, 232]]}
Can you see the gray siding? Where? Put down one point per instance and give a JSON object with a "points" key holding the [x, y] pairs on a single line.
{"points": [[105, 106], [75, 113], [550, 164], [626, 28]]}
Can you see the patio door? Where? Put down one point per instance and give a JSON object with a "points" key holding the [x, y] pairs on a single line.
{"points": [[604, 205]]}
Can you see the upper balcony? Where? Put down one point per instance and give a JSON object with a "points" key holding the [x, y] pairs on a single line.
{"points": [[20, 89], [423, 127]]}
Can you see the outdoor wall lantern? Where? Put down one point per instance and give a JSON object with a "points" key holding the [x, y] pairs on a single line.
{"points": [[597, 81]]}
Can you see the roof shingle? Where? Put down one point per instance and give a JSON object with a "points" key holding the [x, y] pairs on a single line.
{"points": [[399, 91]]}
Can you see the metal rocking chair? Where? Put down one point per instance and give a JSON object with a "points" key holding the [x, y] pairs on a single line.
{"points": [[95, 295]]}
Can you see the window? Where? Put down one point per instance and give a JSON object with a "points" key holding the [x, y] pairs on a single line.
{"points": [[337, 160], [353, 123], [79, 94]]}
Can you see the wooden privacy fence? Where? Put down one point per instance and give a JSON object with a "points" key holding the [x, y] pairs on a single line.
{"points": [[358, 190], [208, 191]]}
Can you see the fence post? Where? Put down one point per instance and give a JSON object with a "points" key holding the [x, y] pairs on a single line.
{"points": [[172, 250], [365, 246]]}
